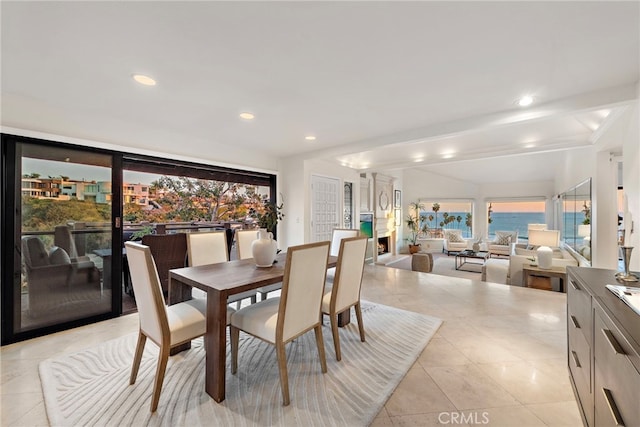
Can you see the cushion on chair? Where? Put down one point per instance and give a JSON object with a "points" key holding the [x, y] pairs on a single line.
{"points": [[58, 256], [503, 238], [187, 319], [454, 236], [259, 319], [35, 253]]}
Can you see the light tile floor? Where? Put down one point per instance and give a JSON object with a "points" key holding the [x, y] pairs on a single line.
{"points": [[499, 359]]}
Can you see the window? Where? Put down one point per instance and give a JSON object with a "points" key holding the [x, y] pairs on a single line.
{"points": [[515, 215], [440, 215]]}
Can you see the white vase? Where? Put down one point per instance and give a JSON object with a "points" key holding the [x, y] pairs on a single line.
{"points": [[264, 249]]}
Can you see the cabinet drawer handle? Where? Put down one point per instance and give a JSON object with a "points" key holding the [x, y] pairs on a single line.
{"points": [[575, 322], [613, 342], [615, 414], [574, 285], [575, 359]]}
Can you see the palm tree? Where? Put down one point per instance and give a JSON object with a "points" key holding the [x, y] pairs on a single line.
{"points": [[469, 221], [436, 208], [459, 219], [489, 212]]}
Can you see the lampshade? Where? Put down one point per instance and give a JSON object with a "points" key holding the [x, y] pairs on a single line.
{"points": [[584, 230], [536, 226], [544, 239]]}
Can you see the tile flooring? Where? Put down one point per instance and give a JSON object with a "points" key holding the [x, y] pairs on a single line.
{"points": [[499, 359]]}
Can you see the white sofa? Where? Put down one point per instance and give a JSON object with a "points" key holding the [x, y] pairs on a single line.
{"points": [[509, 271], [521, 256]]}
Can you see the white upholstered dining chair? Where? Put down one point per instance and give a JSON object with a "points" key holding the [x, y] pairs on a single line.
{"points": [[345, 291], [167, 327], [210, 247], [336, 237], [244, 239], [297, 311]]}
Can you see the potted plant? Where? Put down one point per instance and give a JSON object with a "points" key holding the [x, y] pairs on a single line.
{"points": [[269, 216], [413, 223]]}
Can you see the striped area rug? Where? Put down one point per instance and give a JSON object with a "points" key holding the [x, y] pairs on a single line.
{"points": [[91, 387]]}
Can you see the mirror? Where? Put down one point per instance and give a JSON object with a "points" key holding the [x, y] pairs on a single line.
{"points": [[576, 230]]}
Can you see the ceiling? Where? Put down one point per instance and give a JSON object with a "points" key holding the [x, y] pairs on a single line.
{"points": [[382, 85]]}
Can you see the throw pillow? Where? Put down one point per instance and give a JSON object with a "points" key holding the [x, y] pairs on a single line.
{"points": [[502, 238], [454, 237], [58, 256]]}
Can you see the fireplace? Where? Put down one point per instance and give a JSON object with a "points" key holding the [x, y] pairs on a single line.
{"points": [[383, 245]]}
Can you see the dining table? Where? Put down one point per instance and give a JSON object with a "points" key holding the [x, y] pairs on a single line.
{"points": [[220, 281]]}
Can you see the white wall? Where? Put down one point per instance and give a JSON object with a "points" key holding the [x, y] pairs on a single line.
{"points": [[291, 185], [631, 184]]}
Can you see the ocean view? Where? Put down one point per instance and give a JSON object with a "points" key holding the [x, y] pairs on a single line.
{"points": [[505, 221]]}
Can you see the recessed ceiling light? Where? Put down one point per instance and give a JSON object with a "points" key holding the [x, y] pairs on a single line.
{"points": [[144, 80], [448, 156], [310, 138], [525, 101], [530, 145], [247, 116]]}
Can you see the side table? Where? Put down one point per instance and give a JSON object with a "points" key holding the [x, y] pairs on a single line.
{"points": [[534, 270]]}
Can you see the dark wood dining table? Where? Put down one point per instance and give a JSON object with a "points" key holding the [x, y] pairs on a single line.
{"points": [[220, 281]]}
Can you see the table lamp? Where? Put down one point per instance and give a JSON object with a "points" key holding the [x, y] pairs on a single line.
{"points": [[544, 239], [584, 230]]}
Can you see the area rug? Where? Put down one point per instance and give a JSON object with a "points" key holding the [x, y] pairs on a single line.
{"points": [[444, 265], [91, 387]]}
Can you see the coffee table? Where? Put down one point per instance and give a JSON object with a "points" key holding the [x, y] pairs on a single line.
{"points": [[463, 257]]}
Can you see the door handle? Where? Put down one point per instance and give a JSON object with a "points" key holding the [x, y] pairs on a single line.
{"points": [[575, 359], [575, 322], [613, 342], [613, 408]]}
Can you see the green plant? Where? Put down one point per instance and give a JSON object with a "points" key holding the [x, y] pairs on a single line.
{"points": [[413, 223], [138, 235], [269, 215]]}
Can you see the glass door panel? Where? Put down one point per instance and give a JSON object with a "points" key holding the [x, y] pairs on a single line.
{"points": [[65, 232]]}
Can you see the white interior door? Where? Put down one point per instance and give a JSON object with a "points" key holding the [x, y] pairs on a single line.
{"points": [[325, 207]]}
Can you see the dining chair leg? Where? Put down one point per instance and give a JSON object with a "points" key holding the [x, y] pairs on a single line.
{"points": [[359, 317], [235, 337], [163, 358], [284, 376], [320, 343], [336, 335], [142, 339]]}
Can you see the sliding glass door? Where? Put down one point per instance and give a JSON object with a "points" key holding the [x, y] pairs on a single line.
{"points": [[63, 238]]}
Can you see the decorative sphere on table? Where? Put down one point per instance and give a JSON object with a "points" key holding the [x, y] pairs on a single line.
{"points": [[264, 249]]}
